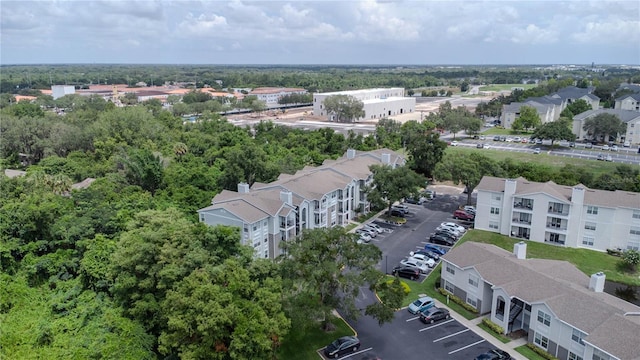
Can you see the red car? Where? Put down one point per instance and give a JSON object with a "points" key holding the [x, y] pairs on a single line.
{"points": [[463, 215]]}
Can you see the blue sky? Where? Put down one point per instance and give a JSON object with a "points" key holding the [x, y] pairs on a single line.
{"points": [[320, 32]]}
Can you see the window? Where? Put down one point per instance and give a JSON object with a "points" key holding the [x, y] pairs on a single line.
{"points": [[592, 210], [636, 215], [600, 355], [544, 318], [495, 210], [473, 280], [587, 240], [448, 287], [634, 230], [577, 336], [589, 226], [255, 227], [573, 356], [451, 270], [493, 225], [541, 340], [472, 301], [496, 197], [633, 245]]}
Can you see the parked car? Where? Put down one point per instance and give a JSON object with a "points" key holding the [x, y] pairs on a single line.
{"points": [[503, 138], [517, 139], [482, 137], [421, 304], [448, 234], [495, 354], [441, 240], [572, 144], [364, 237], [486, 146], [608, 158], [614, 148], [454, 226], [479, 145], [434, 314], [395, 212], [605, 147], [626, 144], [341, 346], [403, 208], [416, 264], [453, 143], [588, 145], [425, 259], [406, 272], [414, 200], [370, 232], [600, 157], [536, 151], [436, 249], [375, 227], [429, 194], [435, 256], [470, 209], [463, 215], [496, 138]]}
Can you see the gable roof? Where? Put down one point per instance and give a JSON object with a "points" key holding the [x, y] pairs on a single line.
{"points": [[562, 287], [604, 198], [635, 97], [573, 92], [624, 115]]}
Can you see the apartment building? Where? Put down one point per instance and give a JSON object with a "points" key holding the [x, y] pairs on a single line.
{"points": [[571, 216], [629, 117], [271, 95], [559, 308], [315, 197]]}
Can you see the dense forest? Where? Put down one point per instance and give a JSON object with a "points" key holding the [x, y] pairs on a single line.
{"points": [[123, 269]]}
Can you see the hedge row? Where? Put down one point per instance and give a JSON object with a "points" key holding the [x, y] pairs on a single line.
{"points": [[541, 352], [458, 301], [493, 326]]}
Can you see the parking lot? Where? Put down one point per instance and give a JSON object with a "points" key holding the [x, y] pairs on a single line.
{"points": [[406, 337]]}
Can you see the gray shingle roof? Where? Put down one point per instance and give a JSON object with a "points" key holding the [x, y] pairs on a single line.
{"points": [[635, 97], [572, 92], [563, 288], [623, 115]]}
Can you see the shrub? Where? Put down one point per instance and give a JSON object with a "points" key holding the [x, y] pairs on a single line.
{"points": [[458, 301], [541, 352], [493, 326], [405, 286]]}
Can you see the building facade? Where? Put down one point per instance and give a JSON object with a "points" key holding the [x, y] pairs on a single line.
{"points": [[561, 215], [628, 102], [378, 103], [315, 197], [560, 309], [630, 117], [271, 95], [58, 91]]}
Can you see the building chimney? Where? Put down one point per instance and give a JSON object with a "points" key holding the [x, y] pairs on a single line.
{"points": [[386, 159], [520, 250], [577, 197], [243, 188], [597, 282], [351, 153], [286, 197]]}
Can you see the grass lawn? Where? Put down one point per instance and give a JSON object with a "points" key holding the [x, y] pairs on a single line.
{"points": [[428, 287], [528, 353], [505, 87], [587, 261], [555, 162], [303, 344]]}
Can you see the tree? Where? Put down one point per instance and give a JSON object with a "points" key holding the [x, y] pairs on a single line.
{"points": [[324, 270], [528, 119], [604, 126], [577, 107], [425, 152], [392, 184], [631, 259], [388, 134], [248, 163], [555, 130], [467, 169], [345, 108], [145, 169]]}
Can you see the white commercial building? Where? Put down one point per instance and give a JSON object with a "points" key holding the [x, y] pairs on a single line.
{"points": [[378, 103], [58, 91]]}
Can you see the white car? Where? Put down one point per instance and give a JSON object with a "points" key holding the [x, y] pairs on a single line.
{"points": [[372, 233], [364, 237], [416, 264], [403, 208], [470, 209], [449, 230], [425, 259], [374, 227], [454, 226], [454, 143], [614, 148], [605, 147], [626, 144]]}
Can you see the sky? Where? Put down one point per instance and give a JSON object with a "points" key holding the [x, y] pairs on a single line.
{"points": [[320, 32]]}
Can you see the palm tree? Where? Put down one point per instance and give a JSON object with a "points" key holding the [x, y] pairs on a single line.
{"points": [[180, 149]]}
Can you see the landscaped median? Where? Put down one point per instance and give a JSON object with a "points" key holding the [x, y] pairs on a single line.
{"points": [[304, 344]]}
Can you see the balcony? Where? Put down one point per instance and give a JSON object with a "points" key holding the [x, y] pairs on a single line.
{"points": [[521, 221], [554, 226], [526, 204]]}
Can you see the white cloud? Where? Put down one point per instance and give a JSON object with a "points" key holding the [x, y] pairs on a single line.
{"points": [[610, 31], [532, 34], [202, 25]]}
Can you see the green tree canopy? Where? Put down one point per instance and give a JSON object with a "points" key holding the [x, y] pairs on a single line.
{"points": [[555, 130], [345, 108], [604, 126], [467, 169], [392, 184], [528, 119]]}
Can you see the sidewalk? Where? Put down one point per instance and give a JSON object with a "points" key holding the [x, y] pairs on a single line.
{"points": [[473, 326]]}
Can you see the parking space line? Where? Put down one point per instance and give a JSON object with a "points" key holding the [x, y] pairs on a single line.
{"points": [[414, 318], [356, 353], [434, 326], [448, 336], [466, 347]]}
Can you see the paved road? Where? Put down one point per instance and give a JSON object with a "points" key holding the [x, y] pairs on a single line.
{"points": [[406, 337]]}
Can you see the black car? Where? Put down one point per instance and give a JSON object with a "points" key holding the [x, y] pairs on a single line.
{"points": [[440, 240], [341, 346], [415, 201], [434, 314], [495, 354], [427, 253], [406, 272], [479, 145], [396, 213], [447, 235]]}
